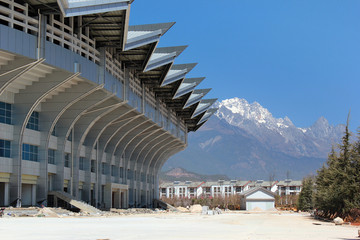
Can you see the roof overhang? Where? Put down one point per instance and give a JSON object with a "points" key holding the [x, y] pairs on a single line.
{"points": [[71, 8]]}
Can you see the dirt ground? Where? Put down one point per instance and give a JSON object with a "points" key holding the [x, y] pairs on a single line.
{"points": [[176, 226]]}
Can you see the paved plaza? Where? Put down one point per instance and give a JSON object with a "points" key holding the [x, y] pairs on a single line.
{"points": [[176, 226]]}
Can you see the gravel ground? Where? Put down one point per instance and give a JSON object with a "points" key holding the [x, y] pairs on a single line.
{"points": [[175, 226]]}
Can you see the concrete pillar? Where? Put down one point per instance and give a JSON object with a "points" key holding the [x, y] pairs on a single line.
{"points": [[6, 194], [33, 194], [117, 199]]}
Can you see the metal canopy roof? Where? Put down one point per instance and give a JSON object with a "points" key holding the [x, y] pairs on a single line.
{"points": [[207, 115], [187, 85], [203, 106], [141, 43], [71, 8], [196, 96], [177, 72], [163, 56], [136, 48]]}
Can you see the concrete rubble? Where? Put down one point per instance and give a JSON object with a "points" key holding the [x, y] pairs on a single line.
{"points": [[207, 211], [60, 212], [338, 221]]}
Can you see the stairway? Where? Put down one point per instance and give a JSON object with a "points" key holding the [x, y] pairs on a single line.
{"points": [[83, 206], [164, 205]]}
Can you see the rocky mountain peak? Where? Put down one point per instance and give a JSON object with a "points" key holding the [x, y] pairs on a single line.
{"points": [[258, 122], [245, 138]]}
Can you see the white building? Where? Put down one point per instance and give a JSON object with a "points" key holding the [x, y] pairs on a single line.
{"points": [[289, 187], [226, 188], [257, 198], [269, 185], [203, 189]]}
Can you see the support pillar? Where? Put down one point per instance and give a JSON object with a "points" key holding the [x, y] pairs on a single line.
{"points": [[6, 194], [33, 194]]}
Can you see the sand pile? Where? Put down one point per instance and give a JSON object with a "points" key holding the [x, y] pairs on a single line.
{"points": [[182, 209], [197, 208]]}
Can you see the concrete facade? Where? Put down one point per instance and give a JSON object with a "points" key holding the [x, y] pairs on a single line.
{"points": [[89, 106]]}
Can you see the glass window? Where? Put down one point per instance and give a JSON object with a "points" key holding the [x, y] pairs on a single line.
{"points": [[5, 112], [103, 168], [143, 177], [69, 138], [93, 164], [67, 160], [5, 147], [33, 122], [81, 163], [121, 172], [51, 156], [30, 152], [113, 170], [53, 132]]}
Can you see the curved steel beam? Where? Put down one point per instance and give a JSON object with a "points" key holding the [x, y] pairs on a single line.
{"points": [[27, 100]]}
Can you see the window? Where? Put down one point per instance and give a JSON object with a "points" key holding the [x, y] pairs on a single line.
{"points": [[121, 172], [67, 160], [81, 163], [216, 191], [171, 192], [5, 113], [292, 188], [129, 174], [33, 122], [69, 138], [30, 152], [51, 156], [143, 177], [53, 132], [113, 170], [103, 166], [5, 147], [93, 164], [227, 191]]}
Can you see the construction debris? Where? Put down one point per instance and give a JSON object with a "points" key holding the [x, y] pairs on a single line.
{"points": [[338, 221], [197, 208]]}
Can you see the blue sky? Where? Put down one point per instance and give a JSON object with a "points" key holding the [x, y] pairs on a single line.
{"points": [[297, 58]]}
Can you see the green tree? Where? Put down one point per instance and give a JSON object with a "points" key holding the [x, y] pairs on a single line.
{"points": [[338, 182], [306, 196]]}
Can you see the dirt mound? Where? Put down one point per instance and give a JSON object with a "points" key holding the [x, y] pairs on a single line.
{"points": [[197, 208], [257, 209], [182, 209]]}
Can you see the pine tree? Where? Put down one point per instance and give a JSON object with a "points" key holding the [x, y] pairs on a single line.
{"points": [[305, 201], [338, 182]]}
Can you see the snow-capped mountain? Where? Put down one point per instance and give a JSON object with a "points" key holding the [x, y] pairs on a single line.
{"points": [[244, 140], [314, 141]]}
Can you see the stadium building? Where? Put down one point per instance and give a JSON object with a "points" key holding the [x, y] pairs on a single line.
{"points": [[90, 107]]}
